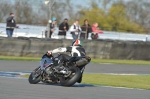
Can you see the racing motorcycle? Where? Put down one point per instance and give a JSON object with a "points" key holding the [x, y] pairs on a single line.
{"points": [[69, 74]]}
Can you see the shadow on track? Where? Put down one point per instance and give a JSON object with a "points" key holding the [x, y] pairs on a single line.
{"points": [[76, 85]]}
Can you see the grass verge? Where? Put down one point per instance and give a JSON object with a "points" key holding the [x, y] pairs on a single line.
{"points": [[128, 81], [19, 58], [132, 62]]}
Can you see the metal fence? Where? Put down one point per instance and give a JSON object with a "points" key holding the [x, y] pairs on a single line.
{"points": [[39, 32]]}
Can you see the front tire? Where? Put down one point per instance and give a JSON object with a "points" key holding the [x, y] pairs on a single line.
{"points": [[72, 79], [35, 76]]}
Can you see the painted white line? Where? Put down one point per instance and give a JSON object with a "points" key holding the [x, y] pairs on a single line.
{"points": [[123, 74], [106, 63], [24, 74], [122, 88]]}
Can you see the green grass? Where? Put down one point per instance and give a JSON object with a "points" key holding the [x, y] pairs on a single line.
{"points": [[19, 58], [133, 62], [128, 81]]}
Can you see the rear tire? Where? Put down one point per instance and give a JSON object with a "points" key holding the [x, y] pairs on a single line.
{"points": [[32, 79], [71, 81]]}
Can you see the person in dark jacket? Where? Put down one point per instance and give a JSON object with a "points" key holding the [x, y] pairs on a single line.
{"points": [[86, 29], [63, 28], [11, 24]]}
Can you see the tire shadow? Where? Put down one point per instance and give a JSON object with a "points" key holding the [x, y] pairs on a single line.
{"points": [[75, 85]]}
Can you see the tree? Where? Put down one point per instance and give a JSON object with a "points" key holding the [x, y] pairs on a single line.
{"points": [[24, 12], [138, 12], [113, 19], [5, 9], [62, 9]]}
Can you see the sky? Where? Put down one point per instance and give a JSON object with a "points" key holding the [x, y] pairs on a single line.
{"points": [[80, 2], [85, 2]]}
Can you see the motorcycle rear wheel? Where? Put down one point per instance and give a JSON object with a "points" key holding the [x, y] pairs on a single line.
{"points": [[72, 79]]}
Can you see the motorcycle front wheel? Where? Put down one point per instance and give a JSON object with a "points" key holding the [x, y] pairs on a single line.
{"points": [[35, 76]]}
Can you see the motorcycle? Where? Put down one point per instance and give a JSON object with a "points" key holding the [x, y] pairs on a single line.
{"points": [[67, 76]]}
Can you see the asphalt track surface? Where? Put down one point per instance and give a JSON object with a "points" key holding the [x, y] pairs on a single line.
{"points": [[27, 66], [11, 88]]}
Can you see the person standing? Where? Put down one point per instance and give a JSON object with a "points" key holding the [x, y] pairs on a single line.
{"points": [[52, 27], [75, 30], [63, 28], [11, 24], [95, 31], [86, 29]]}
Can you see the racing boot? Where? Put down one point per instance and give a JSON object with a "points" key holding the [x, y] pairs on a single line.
{"points": [[80, 79]]}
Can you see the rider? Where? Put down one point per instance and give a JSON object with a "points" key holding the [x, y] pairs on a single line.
{"points": [[76, 50]]}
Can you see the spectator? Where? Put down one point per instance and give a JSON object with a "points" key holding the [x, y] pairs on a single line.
{"points": [[75, 30], [11, 24], [52, 26], [86, 29], [95, 31], [63, 28]]}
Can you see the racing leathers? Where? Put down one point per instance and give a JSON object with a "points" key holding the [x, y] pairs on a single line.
{"points": [[76, 51]]}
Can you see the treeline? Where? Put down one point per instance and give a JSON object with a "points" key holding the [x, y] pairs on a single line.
{"points": [[119, 15], [35, 11], [112, 15]]}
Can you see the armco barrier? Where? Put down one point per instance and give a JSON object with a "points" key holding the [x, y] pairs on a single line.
{"points": [[106, 49]]}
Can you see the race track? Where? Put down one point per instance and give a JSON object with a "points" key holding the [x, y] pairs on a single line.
{"points": [[11, 88], [27, 66]]}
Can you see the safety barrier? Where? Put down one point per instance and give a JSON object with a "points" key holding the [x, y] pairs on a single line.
{"points": [[106, 49]]}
